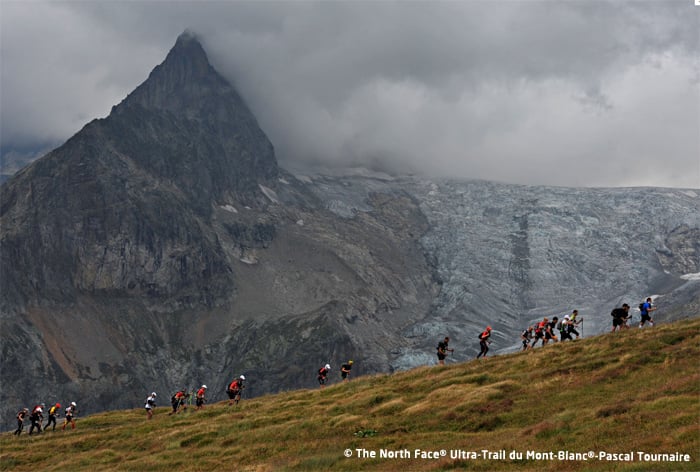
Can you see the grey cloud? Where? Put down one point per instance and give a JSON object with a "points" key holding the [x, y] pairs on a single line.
{"points": [[569, 93]]}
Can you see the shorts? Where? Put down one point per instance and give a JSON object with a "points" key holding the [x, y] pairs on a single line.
{"points": [[232, 393], [441, 356], [618, 321], [321, 380], [646, 318], [344, 375], [199, 402]]}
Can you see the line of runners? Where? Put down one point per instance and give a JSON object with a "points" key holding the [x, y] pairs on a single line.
{"points": [[182, 398], [543, 330], [179, 401], [36, 417]]}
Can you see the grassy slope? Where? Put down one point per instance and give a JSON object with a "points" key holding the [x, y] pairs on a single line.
{"points": [[633, 391]]}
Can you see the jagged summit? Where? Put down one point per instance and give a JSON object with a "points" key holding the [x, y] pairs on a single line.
{"points": [[182, 80], [185, 80], [188, 36], [186, 69], [186, 123], [189, 54]]}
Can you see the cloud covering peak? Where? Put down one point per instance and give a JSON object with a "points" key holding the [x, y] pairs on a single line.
{"points": [[570, 93]]}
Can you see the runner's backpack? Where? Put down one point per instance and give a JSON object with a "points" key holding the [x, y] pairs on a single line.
{"points": [[560, 326], [618, 313], [641, 306]]}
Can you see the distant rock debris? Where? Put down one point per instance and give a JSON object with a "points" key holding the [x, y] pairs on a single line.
{"points": [[249, 259], [269, 193], [230, 208], [341, 208]]}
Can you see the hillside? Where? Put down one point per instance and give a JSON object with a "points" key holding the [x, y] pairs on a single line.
{"points": [[635, 392]]}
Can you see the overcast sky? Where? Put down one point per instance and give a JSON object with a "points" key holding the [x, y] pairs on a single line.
{"points": [[574, 93]]}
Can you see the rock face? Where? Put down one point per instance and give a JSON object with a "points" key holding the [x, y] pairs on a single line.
{"points": [[162, 247]]}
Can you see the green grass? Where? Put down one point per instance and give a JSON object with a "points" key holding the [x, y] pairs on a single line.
{"points": [[638, 390]]}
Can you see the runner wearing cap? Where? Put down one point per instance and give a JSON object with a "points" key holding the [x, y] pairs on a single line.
{"points": [[345, 370], [323, 375], [70, 413], [484, 342], [234, 390], [150, 404], [200, 397]]}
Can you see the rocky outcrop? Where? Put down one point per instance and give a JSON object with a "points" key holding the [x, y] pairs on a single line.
{"points": [[680, 251]]}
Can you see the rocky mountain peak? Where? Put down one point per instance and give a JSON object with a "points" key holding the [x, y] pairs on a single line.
{"points": [[187, 124], [186, 61], [139, 187], [183, 79]]}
